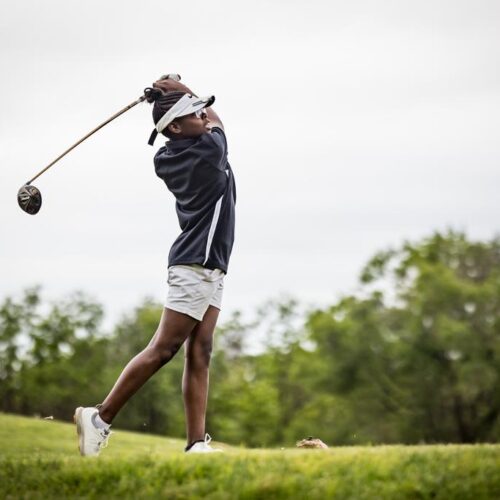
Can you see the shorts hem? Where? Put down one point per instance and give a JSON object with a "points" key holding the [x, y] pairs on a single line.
{"points": [[183, 310]]}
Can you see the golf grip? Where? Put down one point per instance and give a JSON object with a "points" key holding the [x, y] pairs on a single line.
{"points": [[173, 76]]}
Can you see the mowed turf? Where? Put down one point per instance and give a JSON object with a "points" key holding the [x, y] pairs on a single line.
{"points": [[39, 459]]}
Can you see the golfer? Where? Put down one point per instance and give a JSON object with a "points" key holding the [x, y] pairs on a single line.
{"points": [[194, 166]]}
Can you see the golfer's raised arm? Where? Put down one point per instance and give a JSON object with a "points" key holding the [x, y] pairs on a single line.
{"points": [[169, 85]]}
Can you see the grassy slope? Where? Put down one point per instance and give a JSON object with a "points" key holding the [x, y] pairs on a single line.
{"points": [[39, 458]]}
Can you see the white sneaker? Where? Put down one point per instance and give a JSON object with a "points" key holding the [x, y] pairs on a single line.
{"points": [[90, 438], [203, 446]]}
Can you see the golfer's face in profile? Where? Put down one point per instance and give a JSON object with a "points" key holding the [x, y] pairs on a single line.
{"points": [[195, 124]]}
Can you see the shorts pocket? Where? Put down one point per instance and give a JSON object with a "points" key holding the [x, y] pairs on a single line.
{"points": [[183, 276]]}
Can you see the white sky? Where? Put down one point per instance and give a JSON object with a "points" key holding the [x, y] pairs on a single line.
{"points": [[351, 126]]}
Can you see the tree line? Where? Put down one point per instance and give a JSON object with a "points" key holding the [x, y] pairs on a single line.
{"points": [[413, 356]]}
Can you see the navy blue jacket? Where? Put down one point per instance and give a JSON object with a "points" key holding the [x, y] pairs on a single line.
{"points": [[198, 174]]}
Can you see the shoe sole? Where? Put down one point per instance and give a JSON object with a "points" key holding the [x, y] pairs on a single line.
{"points": [[213, 450], [201, 452], [77, 419]]}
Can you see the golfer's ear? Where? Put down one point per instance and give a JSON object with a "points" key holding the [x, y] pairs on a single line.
{"points": [[174, 127]]}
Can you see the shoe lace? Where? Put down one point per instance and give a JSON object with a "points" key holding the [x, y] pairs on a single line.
{"points": [[105, 439], [208, 438]]}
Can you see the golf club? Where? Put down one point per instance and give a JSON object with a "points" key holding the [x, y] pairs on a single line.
{"points": [[29, 196]]}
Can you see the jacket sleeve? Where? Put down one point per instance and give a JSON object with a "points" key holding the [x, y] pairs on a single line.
{"points": [[213, 148]]}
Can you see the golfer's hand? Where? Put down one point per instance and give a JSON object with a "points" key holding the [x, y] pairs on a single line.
{"points": [[169, 85]]}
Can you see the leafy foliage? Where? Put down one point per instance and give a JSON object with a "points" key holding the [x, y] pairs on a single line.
{"points": [[414, 357]]}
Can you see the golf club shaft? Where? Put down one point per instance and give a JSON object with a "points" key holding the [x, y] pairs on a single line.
{"points": [[116, 115]]}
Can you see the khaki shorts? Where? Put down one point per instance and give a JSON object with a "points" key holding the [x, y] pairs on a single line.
{"points": [[192, 288]]}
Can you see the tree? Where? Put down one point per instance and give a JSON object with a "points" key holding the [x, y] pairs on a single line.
{"points": [[419, 356], [48, 356], [414, 356]]}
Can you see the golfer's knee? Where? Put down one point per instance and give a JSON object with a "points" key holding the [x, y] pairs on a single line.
{"points": [[163, 353], [206, 352], [200, 352]]}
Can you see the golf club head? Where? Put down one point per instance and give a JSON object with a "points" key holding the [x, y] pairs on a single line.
{"points": [[29, 199]]}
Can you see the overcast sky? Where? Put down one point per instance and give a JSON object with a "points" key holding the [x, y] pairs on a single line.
{"points": [[352, 126]]}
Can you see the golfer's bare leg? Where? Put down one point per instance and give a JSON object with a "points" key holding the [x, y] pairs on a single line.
{"points": [[197, 351], [172, 331]]}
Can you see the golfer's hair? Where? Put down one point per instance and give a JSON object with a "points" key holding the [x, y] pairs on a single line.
{"points": [[162, 103]]}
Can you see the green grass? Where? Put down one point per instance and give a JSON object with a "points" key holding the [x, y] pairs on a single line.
{"points": [[39, 459]]}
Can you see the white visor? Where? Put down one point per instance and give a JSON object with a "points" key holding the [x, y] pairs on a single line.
{"points": [[186, 105]]}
